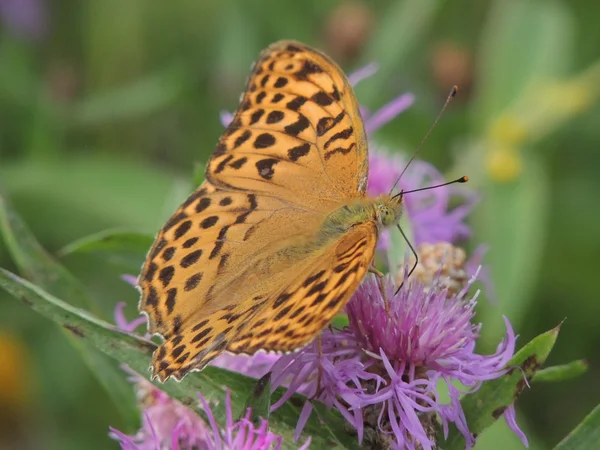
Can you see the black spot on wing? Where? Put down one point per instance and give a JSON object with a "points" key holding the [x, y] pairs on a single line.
{"points": [[209, 222], [322, 99], [238, 163], [327, 123], [307, 69], [190, 258], [241, 139], [202, 204], [174, 221], [275, 116], [264, 140], [225, 201], [190, 242], [193, 281], [297, 127], [221, 166], [281, 82], [265, 167], [256, 115], [260, 97], [166, 275], [183, 229], [296, 103], [298, 152], [171, 299], [344, 134]]}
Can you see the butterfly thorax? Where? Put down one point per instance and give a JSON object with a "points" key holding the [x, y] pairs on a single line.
{"points": [[384, 211]]}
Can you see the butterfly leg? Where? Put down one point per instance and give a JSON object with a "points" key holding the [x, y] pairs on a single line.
{"points": [[380, 276]]}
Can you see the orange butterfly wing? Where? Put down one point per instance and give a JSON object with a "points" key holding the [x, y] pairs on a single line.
{"points": [[216, 275]]}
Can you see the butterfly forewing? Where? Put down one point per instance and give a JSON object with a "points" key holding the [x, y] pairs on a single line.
{"points": [[298, 129], [238, 267]]}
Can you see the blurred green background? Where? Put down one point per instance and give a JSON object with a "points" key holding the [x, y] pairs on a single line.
{"points": [[107, 106]]}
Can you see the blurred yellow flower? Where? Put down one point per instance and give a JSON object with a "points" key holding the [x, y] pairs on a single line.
{"points": [[508, 129], [504, 163], [543, 108], [14, 387]]}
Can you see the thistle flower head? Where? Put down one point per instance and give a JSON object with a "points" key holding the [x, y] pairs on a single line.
{"points": [[167, 424], [383, 372]]}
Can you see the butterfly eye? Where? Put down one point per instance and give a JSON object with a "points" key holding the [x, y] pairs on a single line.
{"points": [[386, 216]]}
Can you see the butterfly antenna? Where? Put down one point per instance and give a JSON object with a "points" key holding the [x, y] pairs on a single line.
{"points": [[414, 252], [451, 95], [462, 179]]}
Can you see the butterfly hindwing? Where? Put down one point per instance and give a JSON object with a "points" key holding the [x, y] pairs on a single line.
{"points": [[279, 320], [296, 315]]}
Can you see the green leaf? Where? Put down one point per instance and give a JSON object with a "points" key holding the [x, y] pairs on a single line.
{"points": [[141, 98], [259, 399], [513, 222], [326, 430], [198, 176], [585, 435], [534, 36], [340, 321], [37, 265], [485, 406], [119, 246], [563, 372], [399, 245], [402, 26]]}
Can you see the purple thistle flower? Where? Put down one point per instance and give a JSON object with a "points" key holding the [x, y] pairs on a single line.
{"points": [[122, 322], [24, 18], [167, 424], [382, 374], [375, 120], [254, 366], [388, 112], [363, 73]]}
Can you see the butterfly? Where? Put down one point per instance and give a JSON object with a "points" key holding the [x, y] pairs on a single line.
{"points": [[277, 238]]}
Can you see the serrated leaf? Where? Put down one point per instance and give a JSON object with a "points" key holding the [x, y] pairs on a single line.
{"points": [[561, 373], [585, 435], [124, 247], [39, 266], [326, 430], [489, 403]]}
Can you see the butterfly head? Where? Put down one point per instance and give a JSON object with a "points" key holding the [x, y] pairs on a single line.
{"points": [[389, 209]]}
